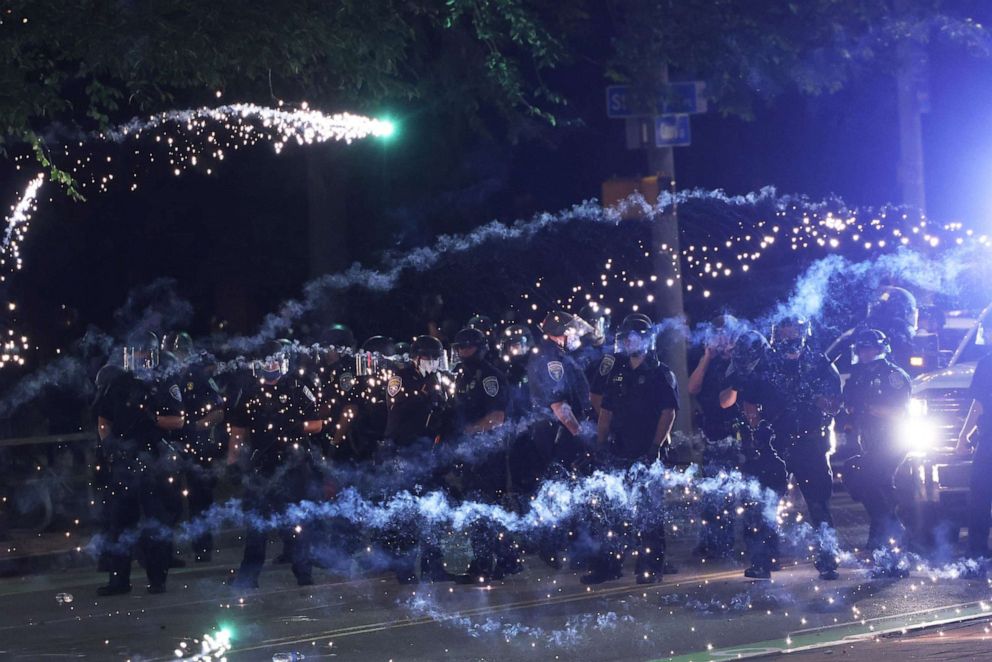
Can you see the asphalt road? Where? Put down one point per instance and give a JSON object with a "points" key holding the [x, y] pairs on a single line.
{"points": [[706, 611]]}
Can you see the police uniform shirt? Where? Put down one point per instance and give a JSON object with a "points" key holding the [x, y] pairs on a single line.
{"points": [[981, 391], [201, 396], [132, 405], [880, 383], [518, 382], [413, 402], [790, 398], [480, 390], [555, 377], [637, 397], [274, 415], [599, 375]]}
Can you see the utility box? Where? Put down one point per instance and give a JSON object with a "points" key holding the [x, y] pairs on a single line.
{"points": [[618, 189]]}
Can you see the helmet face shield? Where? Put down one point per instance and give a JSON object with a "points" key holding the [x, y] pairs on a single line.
{"points": [[515, 341], [869, 345], [271, 368], [633, 343], [140, 359], [575, 330], [426, 365]]}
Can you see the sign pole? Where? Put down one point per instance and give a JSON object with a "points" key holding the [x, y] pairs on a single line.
{"points": [[669, 300]]}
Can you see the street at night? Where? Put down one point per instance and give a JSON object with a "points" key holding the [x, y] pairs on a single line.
{"points": [[505, 330]]}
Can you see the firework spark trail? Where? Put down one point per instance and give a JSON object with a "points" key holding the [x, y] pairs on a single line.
{"points": [[304, 126], [576, 630], [17, 224]]}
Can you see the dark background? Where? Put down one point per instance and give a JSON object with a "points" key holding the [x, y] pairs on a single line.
{"points": [[238, 242]]}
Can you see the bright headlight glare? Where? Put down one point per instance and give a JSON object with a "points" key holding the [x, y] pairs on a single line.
{"points": [[917, 407], [918, 434]]}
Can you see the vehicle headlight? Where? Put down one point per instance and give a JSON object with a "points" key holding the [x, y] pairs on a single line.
{"points": [[917, 408], [918, 434]]}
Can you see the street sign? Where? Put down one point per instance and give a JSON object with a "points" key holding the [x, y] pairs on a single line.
{"points": [[672, 130], [685, 97]]}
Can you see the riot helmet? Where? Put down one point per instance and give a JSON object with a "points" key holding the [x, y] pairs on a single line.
{"points": [[749, 350], [895, 311], [869, 345], [598, 318], [141, 353], [635, 337], [789, 336], [565, 329], [427, 354], [515, 341], [471, 344]]}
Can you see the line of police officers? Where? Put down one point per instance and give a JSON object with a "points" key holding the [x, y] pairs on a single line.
{"points": [[509, 415]]}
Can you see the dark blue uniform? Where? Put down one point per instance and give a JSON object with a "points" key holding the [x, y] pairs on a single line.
{"points": [[204, 450], [637, 397], [791, 398], [869, 475], [480, 391], [142, 476], [720, 453], [283, 469], [554, 377], [417, 413]]}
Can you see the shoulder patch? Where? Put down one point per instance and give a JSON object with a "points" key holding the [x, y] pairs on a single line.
{"points": [[491, 386], [606, 365], [394, 386], [556, 370], [346, 381], [896, 380], [307, 392], [174, 392]]}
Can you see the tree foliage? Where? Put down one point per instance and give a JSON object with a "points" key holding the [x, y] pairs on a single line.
{"points": [[747, 50], [87, 63]]}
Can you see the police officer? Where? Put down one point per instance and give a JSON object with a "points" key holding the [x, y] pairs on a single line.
{"points": [[559, 389], [635, 421], [369, 412], [201, 446], [719, 426], [896, 314], [105, 377], [485, 324], [560, 398], [271, 429], [599, 374], [750, 386], [340, 393], [516, 344], [418, 412], [480, 404], [134, 415], [807, 391], [975, 438], [877, 397]]}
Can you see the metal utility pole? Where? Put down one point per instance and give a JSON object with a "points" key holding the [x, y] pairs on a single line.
{"points": [[668, 300]]}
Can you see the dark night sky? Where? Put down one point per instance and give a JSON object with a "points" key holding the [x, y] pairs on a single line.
{"points": [[237, 240]]}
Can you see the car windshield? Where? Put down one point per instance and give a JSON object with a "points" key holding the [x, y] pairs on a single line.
{"points": [[973, 347]]}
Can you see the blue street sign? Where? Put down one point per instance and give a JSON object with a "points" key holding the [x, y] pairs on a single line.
{"points": [[685, 97], [672, 130]]}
